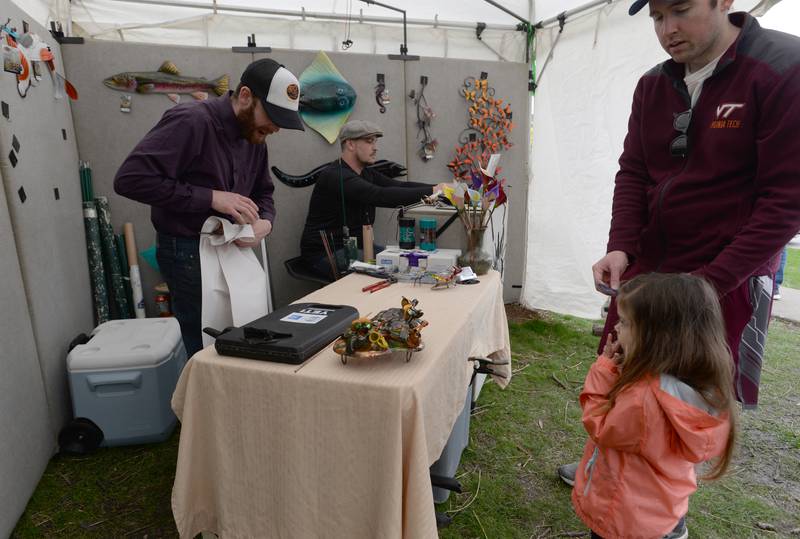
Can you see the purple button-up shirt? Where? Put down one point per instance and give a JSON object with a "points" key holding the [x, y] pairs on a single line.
{"points": [[195, 149]]}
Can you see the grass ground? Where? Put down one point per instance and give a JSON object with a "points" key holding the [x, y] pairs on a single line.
{"points": [[518, 437], [791, 273]]}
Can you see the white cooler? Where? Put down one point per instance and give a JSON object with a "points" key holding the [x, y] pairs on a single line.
{"points": [[123, 378]]}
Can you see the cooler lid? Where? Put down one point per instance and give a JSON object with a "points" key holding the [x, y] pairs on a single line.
{"points": [[125, 344]]}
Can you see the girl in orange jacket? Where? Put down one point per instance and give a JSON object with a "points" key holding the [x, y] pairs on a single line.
{"points": [[657, 402]]}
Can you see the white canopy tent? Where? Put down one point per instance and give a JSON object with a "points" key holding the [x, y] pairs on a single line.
{"points": [[581, 107], [585, 74]]}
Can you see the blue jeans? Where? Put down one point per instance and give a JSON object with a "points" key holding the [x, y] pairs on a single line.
{"points": [[779, 273], [179, 261]]}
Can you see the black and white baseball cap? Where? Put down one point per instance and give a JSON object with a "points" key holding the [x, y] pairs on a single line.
{"points": [[636, 6], [278, 90]]}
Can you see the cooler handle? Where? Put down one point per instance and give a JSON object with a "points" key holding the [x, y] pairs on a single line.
{"points": [[115, 383]]}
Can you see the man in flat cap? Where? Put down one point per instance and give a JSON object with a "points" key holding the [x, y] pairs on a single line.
{"points": [[209, 158], [347, 193]]}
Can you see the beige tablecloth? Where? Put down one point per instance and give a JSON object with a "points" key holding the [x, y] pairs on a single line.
{"points": [[326, 450]]}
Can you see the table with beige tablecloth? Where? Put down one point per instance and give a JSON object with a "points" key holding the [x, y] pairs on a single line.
{"points": [[327, 450]]}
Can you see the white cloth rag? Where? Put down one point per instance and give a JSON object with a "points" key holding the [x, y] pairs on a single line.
{"points": [[234, 283]]}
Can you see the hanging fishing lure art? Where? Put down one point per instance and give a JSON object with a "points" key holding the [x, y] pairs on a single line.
{"points": [[326, 98], [22, 54]]}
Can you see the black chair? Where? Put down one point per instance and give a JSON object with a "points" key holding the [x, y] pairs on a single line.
{"points": [[443, 520], [299, 270]]}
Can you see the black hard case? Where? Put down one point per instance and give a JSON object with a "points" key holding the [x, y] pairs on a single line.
{"points": [[270, 339]]}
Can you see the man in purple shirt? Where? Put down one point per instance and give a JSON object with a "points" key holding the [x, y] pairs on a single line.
{"points": [[209, 158]]}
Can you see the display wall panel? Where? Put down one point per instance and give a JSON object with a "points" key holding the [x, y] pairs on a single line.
{"points": [[106, 135], [44, 297], [44, 202], [298, 152], [27, 441], [445, 80], [292, 151]]}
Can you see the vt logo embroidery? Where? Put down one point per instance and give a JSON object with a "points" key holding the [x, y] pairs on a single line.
{"points": [[723, 112], [725, 109]]}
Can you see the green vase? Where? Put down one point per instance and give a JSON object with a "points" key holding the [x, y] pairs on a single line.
{"points": [[476, 255]]}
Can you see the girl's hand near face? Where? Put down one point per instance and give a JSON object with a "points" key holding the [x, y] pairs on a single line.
{"points": [[613, 351]]}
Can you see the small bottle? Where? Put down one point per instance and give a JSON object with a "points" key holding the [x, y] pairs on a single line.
{"points": [[162, 305], [427, 234], [407, 240]]}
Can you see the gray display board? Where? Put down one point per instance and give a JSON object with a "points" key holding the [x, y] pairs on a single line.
{"points": [[45, 287], [510, 82], [106, 135], [27, 440]]}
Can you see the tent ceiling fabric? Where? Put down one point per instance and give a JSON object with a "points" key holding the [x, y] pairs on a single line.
{"points": [[463, 11], [169, 24], [469, 11], [200, 26]]}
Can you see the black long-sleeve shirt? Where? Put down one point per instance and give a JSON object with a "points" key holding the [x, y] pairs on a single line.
{"points": [[362, 194], [194, 149]]}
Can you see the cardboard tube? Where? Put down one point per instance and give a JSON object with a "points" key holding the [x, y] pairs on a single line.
{"points": [[369, 243], [133, 262], [130, 244]]}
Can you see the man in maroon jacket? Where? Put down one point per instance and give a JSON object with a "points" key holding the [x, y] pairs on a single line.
{"points": [[709, 178]]}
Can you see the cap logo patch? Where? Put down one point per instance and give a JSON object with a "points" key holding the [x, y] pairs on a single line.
{"points": [[293, 92]]}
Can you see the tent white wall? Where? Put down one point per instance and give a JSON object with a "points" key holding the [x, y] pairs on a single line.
{"points": [[579, 124]]}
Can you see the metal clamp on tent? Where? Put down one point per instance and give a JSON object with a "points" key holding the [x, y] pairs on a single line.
{"points": [[403, 46], [251, 46]]}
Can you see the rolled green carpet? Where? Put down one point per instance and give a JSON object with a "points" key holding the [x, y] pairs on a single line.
{"points": [[96, 271], [119, 300]]}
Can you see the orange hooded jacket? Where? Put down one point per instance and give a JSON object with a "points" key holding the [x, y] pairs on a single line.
{"points": [[637, 471]]}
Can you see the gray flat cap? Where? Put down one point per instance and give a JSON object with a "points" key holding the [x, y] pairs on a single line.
{"points": [[359, 129]]}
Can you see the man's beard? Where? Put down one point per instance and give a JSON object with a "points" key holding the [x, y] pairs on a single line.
{"points": [[247, 124], [370, 160]]}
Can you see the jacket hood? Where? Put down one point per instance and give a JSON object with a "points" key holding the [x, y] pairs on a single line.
{"points": [[702, 432]]}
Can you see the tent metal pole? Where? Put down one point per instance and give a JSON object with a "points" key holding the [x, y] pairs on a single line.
{"points": [[760, 8], [508, 11], [69, 18], [404, 46], [571, 12], [315, 15]]}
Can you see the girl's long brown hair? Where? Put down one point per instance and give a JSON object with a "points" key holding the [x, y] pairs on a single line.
{"points": [[677, 329]]}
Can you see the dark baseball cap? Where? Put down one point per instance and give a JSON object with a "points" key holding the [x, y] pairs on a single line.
{"points": [[278, 90], [636, 6]]}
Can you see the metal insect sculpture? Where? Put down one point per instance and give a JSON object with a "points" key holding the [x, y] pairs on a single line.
{"points": [[441, 280], [487, 132], [447, 280], [395, 329]]}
